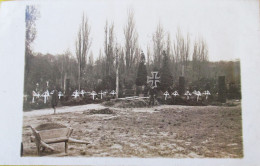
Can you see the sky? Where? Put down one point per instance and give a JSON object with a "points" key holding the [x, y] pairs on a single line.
{"points": [[223, 24]]}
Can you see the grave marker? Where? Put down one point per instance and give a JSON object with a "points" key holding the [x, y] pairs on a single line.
{"points": [[166, 94], [198, 94], [101, 94], [187, 94], [35, 95], [113, 92], [46, 95], [60, 94], [175, 93], [75, 94], [206, 93], [93, 94], [82, 92], [154, 79]]}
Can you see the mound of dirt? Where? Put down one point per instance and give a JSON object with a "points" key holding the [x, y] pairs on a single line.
{"points": [[127, 103], [100, 111], [131, 104], [48, 126]]}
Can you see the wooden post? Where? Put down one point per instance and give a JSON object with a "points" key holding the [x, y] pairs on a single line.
{"points": [[181, 85], [221, 89], [66, 147]]}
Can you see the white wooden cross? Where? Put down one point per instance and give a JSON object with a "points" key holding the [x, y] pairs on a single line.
{"points": [[75, 94], [206, 93], [198, 94], [187, 94], [113, 92], [194, 92], [60, 94], [101, 94], [175, 93], [93, 94], [35, 95], [82, 92], [166, 94], [154, 79], [45, 95], [37, 84]]}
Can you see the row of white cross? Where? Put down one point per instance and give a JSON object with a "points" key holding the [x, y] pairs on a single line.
{"points": [[45, 95], [75, 94], [188, 94]]}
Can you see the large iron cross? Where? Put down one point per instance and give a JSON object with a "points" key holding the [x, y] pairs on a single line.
{"points": [[154, 79]]}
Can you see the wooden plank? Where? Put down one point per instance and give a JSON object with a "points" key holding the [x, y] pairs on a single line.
{"points": [[43, 144], [56, 140], [71, 140]]}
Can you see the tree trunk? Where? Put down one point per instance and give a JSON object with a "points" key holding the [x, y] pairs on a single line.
{"points": [[79, 78], [64, 82], [117, 75]]}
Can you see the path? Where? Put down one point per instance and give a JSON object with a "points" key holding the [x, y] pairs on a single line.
{"points": [[64, 109]]}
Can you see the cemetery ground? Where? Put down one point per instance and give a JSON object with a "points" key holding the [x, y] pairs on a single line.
{"points": [[169, 131]]}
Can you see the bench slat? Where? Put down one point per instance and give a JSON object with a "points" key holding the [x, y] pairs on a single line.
{"points": [[54, 133], [55, 140]]}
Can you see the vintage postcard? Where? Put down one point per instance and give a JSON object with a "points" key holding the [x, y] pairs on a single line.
{"points": [[138, 81]]}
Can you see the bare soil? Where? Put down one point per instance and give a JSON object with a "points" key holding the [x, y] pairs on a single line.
{"points": [[169, 131]]}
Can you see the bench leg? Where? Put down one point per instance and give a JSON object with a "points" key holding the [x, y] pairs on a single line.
{"points": [[38, 150], [66, 147]]}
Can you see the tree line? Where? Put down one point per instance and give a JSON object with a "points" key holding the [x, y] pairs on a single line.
{"points": [[171, 57]]}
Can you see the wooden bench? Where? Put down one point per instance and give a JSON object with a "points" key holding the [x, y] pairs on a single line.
{"points": [[50, 133]]}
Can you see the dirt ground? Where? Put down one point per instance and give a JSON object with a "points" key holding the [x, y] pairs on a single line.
{"points": [[163, 131]]}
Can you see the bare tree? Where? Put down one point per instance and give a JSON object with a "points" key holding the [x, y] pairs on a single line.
{"points": [[83, 43], [109, 46], [149, 59], [31, 15], [117, 70], [131, 41], [158, 45], [200, 59], [182, 51]]}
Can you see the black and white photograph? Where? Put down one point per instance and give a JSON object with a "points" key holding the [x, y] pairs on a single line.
{"points": [[136, 79]]}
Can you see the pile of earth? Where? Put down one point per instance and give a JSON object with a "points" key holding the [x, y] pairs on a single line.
{"points": [[99, 111], [48, 126], [127, 103]]}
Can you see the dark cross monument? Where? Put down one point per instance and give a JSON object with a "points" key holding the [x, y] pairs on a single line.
{"points": [[221, 89], [154, 79], [181, 85]]}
